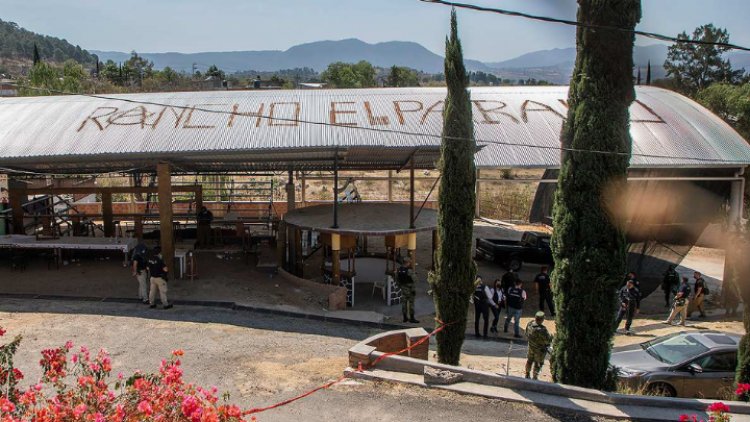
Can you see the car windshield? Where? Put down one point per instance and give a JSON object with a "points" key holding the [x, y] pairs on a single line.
{"points": [[676, 349]]}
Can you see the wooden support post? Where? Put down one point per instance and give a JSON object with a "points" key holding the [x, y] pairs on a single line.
{"points": [[16, 197], [198, 198], [336, 191], [390, 185], [299, 263], [109, 225], [411, 247], [166, 229], [411, 194], [281, 245], [138, 223], [304, 189], [336, 258]]}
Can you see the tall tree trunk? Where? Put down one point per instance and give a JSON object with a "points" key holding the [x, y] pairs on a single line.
{"points": [[588, 247], [454, 274]]}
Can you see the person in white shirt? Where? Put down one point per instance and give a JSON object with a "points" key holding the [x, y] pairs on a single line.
{"points": [[482, 299]]}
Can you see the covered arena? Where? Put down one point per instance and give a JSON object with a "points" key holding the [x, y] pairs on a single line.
{"points": [[165, 147]]}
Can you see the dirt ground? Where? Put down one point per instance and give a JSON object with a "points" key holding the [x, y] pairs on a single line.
{"points": [[258, 359]]}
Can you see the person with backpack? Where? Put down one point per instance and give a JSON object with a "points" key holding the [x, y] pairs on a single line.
{"points": [[669, 285], [482, 299], [514, 300], [681, 303], [700, 292], [405, 281]]}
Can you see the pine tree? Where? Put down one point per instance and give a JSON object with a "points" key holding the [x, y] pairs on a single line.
{"points": [[454, 274], [36, 59], [648, 73], [588, 247]]}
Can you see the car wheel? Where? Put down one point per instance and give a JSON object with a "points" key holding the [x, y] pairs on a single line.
{"points": [[515, 264], [661, 389]]}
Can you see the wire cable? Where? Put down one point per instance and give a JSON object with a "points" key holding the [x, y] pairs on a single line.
{"points": [[652, 35], [391, 131]]}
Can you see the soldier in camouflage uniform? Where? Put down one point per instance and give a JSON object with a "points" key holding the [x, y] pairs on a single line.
{"points": [[539, 341], [405, 280]]}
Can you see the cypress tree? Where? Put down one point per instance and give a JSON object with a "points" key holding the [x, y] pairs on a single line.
{"points": [[454, 274], [588, 247], [737, 271], [648, 73], [35, 57]]}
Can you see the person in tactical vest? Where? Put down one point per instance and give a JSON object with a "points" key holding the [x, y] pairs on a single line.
{"points": [[539, 342], [405, 280], [669, 285], [630, 305], [514, 299], [157, 270], [482, 299], [544, 290]]}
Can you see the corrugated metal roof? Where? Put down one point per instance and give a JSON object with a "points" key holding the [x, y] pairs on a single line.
{"points": [[383, 127]]}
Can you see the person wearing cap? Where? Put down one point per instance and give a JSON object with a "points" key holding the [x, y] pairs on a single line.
{"points": [[139, 271], [405, 281], [630, 304], [539, 341], [158, 270]]}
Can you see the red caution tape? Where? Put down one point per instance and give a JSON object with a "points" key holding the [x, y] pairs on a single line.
{"points": [[342, 378]]}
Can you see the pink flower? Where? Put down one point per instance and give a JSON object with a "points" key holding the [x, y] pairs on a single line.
{"points": [[120, 376], [79, 410], [2, 332], [145, 408], [718, 407], [6, 406], [69, 344]]}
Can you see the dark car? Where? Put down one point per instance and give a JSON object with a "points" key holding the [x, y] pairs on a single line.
{"points": [[686, 364], [533, 248]]}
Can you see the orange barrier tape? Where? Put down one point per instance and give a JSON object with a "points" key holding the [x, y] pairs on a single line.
{"points": [[343, 377]]}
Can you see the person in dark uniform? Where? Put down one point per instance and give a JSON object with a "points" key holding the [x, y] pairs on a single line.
{"points": [[204, 217], [509, 280], [158, 270], [482, 299], [700, 291], [497, 303], [139, 271], [630, 305], [544, 290], [405, 281], [669, 285], [514, 300]]}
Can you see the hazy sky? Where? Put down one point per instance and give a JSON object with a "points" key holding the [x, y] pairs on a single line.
{"points": [[202, 25]]}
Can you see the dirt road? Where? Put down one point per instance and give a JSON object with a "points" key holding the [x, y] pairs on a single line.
{"points": [[257, 358]]}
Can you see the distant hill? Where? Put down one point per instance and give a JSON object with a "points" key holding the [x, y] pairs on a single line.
{"points": [[17, 45], [559, 63], [317, 55]]}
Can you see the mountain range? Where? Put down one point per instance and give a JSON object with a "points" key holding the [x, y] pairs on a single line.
{"points": [[555, 65]]}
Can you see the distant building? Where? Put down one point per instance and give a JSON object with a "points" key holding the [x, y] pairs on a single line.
{"points": [[7, 88], [312, 85]]}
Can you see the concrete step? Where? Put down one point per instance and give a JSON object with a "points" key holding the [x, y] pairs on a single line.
{"points": [[578, 406]]}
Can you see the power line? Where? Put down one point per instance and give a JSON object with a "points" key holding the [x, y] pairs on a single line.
{"points": [[390, 131], [652, 35]]}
